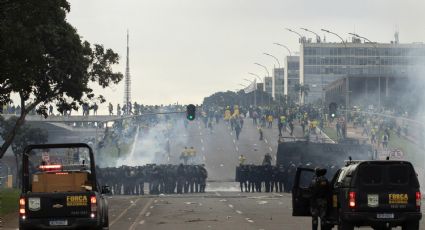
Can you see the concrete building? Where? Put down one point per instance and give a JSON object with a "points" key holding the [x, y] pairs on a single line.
{"points": [[268, 85], [292, 76], [278, 83], [375, 67]]}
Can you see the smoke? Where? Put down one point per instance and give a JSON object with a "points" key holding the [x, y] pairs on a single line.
{"points": [[153, 142]]}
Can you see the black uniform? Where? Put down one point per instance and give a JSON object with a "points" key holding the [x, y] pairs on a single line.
{"points": [[319, 188]]}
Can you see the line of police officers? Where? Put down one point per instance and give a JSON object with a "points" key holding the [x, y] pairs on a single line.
{"points": [[162, 179]]}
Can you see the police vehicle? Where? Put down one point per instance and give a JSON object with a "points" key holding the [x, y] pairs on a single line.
{"points": [[60, 190], [380, 194]]}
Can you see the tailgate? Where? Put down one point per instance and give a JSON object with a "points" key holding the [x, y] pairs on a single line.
{"points": [[42, 205], [387, 187]]}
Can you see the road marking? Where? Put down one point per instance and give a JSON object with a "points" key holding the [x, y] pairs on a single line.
{"points": [[234, 141], [123, 212], [231, 134], [145, 208], [230, 206], [151, 207], [237, 149], [239, 212], [200, 133], [203, 149], [249, 220], [204, 158], [265, 140], [202, 141], [218, 194], [148, 214], [142, 222], [270, 148]]}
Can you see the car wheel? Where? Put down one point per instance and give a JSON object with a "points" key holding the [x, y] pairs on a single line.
{"points": [[345, 226], [414, 225]]}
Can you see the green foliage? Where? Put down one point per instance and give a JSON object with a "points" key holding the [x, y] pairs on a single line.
{"points": [[43, 59], [9, 199]]}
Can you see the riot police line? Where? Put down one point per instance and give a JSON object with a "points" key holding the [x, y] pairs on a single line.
{"points": [[271, 178], [161, 179]]}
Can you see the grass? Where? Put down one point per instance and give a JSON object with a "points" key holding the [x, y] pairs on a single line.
{"points": [[331, 132], [9, 201]]}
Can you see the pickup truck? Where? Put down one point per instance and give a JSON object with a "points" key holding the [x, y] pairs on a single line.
{"points": [[60, 190], [383, 194]]}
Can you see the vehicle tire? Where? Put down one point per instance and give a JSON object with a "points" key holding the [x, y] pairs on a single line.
{"points": [[106, 223], [413, 225], [345, 226]]}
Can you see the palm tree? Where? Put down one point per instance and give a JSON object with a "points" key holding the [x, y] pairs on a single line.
{"points": [[303, 90]]}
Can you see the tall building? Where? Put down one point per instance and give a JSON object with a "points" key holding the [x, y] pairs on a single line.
{"points": [[268, 85], [278, 83], [373, 67], [127, 80], [292, 76]]}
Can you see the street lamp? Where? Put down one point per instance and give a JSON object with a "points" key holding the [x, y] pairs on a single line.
{"points": [[261, 81], [295, 32], [268, 74], [256, 75], [379, 67], [275, 58], [289, 51], [255, 90], [317, 36], [347, 84]]}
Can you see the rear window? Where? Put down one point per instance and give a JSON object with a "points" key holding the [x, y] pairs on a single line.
{"points": [[371, 174], [399, 174]]}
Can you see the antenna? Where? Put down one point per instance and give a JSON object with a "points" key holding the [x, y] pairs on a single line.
{"points": [[127, 87]]}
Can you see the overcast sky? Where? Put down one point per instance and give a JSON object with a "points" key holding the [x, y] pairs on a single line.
{"points": [[184, 50]]}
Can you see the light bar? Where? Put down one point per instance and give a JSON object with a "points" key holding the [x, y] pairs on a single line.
{"points": [[50, 166]]}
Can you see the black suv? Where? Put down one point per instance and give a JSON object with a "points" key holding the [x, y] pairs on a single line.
{"points": [[380, 194]]}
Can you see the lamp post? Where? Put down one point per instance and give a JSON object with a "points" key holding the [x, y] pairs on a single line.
{"points": [[268, 75], [261, 81], [295, 32], [379, 67], [318, 40], [274, 78], [285, 77], [347, 84], [255, 89], [279, 44]]}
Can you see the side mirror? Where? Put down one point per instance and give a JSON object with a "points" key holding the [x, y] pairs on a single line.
{"points": [[106, 189]]}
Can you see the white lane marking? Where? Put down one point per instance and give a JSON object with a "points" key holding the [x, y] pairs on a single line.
{"points": [[203, 157], [270, 148], [239, 212], [142, 222], [230, 206], [148, 214], [265, 140], [203, 149], [249, 220], [151, 207], [123, 212], [202, 141], [155, 201], [231, 134], [145, 208], [237, 149], [218, 194], [200, 133], [234, 141]]}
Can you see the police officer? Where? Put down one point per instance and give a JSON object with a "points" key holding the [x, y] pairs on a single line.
{"points": [[267, 159], [319, 188]]}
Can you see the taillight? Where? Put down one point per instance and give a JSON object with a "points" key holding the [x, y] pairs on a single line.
{"points": [[22, 207], [93, 206], [418, 200], [352, 199]]}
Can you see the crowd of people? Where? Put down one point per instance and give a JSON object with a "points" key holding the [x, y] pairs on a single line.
{"points": [[161, 179]]}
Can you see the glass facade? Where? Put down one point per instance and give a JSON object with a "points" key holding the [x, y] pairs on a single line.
{"points": [[324, 63], [278, 82], [292, 65]]}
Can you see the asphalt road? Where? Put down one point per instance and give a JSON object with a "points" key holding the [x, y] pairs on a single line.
{"points": [[223, 206]]}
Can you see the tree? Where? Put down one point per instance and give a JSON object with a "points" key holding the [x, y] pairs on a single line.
{"points": [[25, 135], [303, 90], [43, 60]]}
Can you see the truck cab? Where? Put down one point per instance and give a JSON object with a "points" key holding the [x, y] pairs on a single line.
{"points": [[380, 194], [60, 190]]}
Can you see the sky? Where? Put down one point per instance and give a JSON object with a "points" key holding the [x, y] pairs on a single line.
{"points": [[184, 50]]}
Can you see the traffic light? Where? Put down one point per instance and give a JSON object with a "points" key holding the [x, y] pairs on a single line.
{"points": [[332, 109], [190, 112]]}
